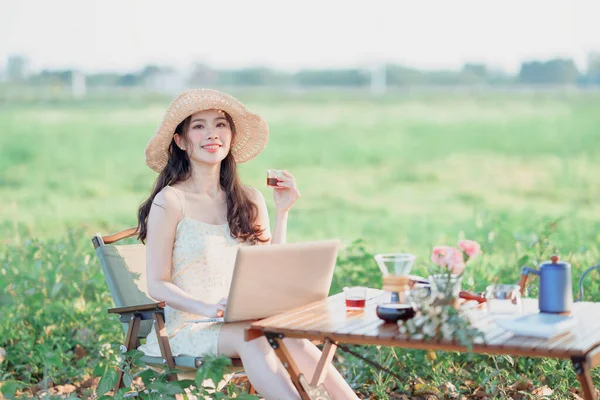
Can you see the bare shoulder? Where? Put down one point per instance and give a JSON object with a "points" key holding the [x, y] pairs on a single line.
{"points": [[168, 200]]}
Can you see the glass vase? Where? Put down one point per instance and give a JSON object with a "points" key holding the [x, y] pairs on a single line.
{"points": [[445, 288]]}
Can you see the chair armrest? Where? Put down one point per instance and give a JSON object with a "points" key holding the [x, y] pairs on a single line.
{"points": [[143, 311], [142, 307]]}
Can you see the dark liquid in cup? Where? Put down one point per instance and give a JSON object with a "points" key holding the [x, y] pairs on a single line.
{"points": [[355, 303], [272, 181]]}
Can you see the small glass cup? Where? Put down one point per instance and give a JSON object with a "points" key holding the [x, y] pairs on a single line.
{"points": [[356, 298], [273, 176], [504, 299]]}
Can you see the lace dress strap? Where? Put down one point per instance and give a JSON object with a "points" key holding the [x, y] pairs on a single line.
{"points": [[181, 202]]}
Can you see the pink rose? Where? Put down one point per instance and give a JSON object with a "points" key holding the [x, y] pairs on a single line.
{"points": [[457, 268], [470, 247], [448, 257], [439, 255]]}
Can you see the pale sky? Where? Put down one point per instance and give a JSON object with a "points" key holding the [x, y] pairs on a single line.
{"points": [[125, 35]]}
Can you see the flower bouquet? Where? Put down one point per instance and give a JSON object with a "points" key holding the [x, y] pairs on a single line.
{"points": [[438, 314], [450, 262]]}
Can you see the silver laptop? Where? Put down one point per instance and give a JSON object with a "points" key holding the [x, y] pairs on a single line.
{"points": [[271, 279]]}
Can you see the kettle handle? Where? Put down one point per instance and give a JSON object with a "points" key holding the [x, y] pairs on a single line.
{"points": [[581, 282], [524, 275]]}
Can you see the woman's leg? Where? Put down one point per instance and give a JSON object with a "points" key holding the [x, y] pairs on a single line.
{"points": [[307, 356], [262, 366], [265, 371]]}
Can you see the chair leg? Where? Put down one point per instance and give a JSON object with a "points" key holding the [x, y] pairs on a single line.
{"points": [[131, 340], [163, 343]]}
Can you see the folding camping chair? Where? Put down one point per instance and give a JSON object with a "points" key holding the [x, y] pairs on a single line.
{"points": [[124, 268]]}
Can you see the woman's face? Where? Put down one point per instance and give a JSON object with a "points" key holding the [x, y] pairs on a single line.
{"points": [[209, 137]]}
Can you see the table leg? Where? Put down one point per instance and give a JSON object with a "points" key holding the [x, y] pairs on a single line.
{"points": [[306, 391], [582, 367], [594, 357], [326, 357]]}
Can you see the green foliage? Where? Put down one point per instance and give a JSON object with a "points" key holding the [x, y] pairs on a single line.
{"points": [[156, 385], [54, 309]]}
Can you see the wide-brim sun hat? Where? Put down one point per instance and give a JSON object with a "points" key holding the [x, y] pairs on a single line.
{"points": [[251, 131]]}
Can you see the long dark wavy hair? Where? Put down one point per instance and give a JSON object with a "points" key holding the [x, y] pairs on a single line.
{"points": [[241, 211]]}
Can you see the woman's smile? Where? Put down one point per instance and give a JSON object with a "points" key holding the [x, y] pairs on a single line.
{"points": [[211, 148]]}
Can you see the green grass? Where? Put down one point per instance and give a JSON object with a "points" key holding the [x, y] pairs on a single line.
{"points": [[402, 173], [391, 171]]}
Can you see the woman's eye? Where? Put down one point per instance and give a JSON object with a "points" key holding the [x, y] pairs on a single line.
{"points": [[221, 124], [198, 126]]}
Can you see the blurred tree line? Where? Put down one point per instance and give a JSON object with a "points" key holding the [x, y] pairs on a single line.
{"points": [[552, 72]]}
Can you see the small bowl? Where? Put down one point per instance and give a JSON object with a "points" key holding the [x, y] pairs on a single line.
{"points": [[393, 312]]}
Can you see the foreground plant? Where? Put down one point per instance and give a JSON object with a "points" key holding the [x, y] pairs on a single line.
{"points": [[148, 384]]}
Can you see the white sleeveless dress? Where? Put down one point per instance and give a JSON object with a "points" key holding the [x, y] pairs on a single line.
{"points": [[203, 261]]}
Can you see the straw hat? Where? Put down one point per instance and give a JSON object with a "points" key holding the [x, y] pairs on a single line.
{"points": [[251, 131]]}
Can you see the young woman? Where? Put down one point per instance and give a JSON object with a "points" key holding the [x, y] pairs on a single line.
{"points": [[196, 217]]}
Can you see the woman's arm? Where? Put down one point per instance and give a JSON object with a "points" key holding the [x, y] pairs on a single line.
{"points": [[281, 217], [285, 195], [280, 227], [262, 219], [164, 216]]}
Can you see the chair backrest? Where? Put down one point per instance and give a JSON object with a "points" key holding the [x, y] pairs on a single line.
{"points": [[124, 268]]}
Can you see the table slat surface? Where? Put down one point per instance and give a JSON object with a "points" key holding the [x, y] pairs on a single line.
{"points": [[329, 319]]}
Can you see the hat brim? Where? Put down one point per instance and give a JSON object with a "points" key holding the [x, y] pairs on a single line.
{"points": [[251, 130]]}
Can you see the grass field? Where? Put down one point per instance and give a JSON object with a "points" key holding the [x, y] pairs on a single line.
{"points": [[403, 173]]}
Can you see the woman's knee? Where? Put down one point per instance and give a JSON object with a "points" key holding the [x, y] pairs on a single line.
{"points": [[231, 338], [232, 341]]}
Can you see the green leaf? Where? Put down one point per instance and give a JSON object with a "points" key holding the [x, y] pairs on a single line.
{"points": [[147, 375], [54, 360], [184, 383], [139, 363], [107, 382], [9, 388], [122, 392], [246, 396], [99, 370], [212, 369], [158, 386], [510, 360], [127, 380], [172, 388], [134, 354], [56, 288]]}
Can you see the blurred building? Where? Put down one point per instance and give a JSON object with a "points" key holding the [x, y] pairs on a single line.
{"points": [[16, 68]]}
